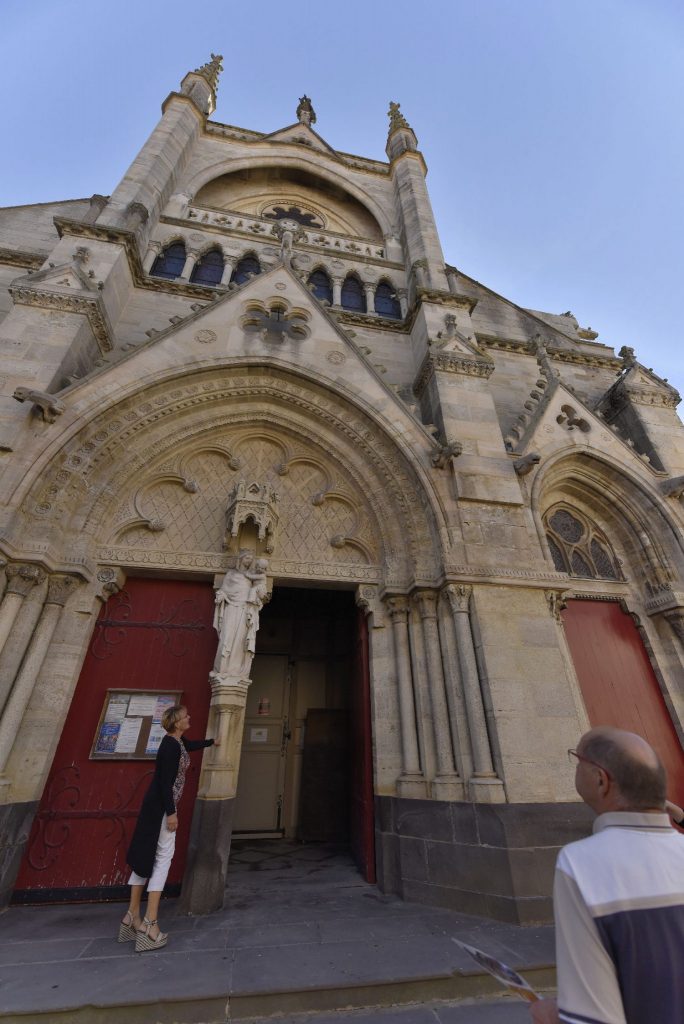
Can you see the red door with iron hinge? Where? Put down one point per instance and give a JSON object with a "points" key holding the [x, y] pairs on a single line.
{"points": [[617, 681], [155, 635], [361, 765]]}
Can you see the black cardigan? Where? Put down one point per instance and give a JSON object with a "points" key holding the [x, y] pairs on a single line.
{"points": [[157, 802]]}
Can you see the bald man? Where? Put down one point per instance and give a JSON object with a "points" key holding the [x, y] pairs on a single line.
{"points": [[619, 895]]}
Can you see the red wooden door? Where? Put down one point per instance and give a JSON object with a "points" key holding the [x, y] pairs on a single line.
{"points": [[617, 681], [361, 765], [154, 635]]}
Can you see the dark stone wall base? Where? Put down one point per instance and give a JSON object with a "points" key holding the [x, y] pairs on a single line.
{"points": [[495, 860], [204, 882], [15, 826]]}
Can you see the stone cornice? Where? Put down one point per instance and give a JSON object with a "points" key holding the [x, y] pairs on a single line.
{"points": [[376, 323], [25, 260], [83, 305], [450, 362], [605, 362]]}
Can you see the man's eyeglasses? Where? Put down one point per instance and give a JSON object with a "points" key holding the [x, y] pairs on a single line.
{"points": [[587, 760]]}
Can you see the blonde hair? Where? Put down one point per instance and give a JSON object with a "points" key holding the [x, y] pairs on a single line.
{"points": [[171, 716]]}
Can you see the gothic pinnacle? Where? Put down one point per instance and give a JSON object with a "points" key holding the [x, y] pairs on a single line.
{"points": [[397, 119], [211, 70]]}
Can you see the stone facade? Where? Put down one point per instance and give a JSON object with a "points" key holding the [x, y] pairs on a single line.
{"points": [[416, 449]]}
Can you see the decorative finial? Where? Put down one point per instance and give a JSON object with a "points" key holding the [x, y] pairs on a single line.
{"points": [[305, 111], [211, 70], [397, 119]]}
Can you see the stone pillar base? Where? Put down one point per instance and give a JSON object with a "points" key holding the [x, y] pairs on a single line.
{"points": [[486, 789], [447, 787], [204, 882], [412, 786], [15, 826]]}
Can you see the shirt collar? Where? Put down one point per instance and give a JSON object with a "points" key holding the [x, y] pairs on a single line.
{"points": [[632, 819]]}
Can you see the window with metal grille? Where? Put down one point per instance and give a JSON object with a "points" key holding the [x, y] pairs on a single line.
{"points": [[247, 266], [209, 268], [578, 547], [353, 295], [320, 285], [170, 262], [386, 301]]}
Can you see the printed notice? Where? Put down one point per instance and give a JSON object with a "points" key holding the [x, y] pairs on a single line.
{"points": [[258, 735], [127, 740], [142, 705], [162, 703], [157, 734], [117, 707], [106, 740]]}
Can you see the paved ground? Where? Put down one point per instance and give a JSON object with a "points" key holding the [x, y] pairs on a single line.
{"points": [[301, 932]]}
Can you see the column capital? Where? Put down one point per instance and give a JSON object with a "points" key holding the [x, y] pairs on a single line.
{"points": [[426, 601], [22, 577], [366, 598], [397, 607], [111, 580], [459, 595], [60, 587]]}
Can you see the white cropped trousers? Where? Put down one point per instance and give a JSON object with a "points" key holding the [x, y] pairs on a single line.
{"points": [[166, 844]]}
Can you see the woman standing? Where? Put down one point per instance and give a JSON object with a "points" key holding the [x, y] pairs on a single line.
{"points": [[154, 838]]}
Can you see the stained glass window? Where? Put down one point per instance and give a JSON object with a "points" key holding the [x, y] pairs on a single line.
{"points": [[208, 269], [320, 285], [578, 547], [353, 296], [386, 301], [247, 266], [170, 262]]}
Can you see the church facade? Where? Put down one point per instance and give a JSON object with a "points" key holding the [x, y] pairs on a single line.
{"points": [[469, 516]]}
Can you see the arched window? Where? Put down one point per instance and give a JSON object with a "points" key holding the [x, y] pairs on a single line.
{"points": [[320, 285], [353, 295], [208, 269], [386, 301], [247, 266], [170, 262], [578, 547]]}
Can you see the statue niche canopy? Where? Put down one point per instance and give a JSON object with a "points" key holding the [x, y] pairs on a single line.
{"points": [[282, 192]]}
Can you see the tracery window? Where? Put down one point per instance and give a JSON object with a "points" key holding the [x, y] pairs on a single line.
{"points": [[209, 268], [170, 262], [308, 220], [386, 301], [320, 285], [353, 295], [578, 547], [247, 266]]}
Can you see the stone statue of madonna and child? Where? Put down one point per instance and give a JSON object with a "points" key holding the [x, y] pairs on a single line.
{"points": [[239, 600]]}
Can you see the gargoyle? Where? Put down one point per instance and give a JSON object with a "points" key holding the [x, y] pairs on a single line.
{"points": [[441, 453], [673, 488], [525, 465], [50, 407]]}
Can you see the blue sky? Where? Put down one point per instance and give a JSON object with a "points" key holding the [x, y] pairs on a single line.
{"points": [[553, 129]]}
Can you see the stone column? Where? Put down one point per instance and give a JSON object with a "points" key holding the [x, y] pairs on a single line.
{"points": [[402, 295], [21, 577], [446, 785], [337, 291], [411, 781], [190, 260], [153, 251], [59, 589], [485, 786], [369, 289], [228, 268]]}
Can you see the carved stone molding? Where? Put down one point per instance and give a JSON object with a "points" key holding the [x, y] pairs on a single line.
{"points": [[60, 587], [366, 598], [93, 308], [459, 595], [22, 577], [450, 362], [111, 580], [25, 260], [676, 620]]}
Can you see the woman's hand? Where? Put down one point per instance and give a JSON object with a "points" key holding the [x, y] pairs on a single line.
{"points": [[675, 812], [172, 822]]}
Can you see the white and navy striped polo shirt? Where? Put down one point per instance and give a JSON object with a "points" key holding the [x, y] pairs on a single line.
{"points": [[619, 911]]}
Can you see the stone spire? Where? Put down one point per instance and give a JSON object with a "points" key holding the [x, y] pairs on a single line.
{"points": [[211, 70], [401, 136], [201, 84], [305, 111]]}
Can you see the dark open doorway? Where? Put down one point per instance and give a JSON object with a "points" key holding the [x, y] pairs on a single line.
{"points": [[306, 766]]}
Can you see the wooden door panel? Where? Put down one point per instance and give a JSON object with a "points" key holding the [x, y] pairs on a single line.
{"points": [[153, 635], [618, 684]]}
